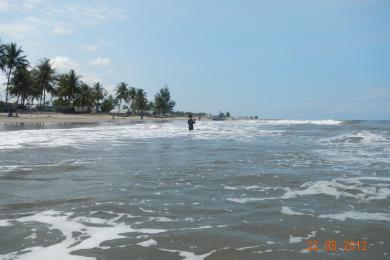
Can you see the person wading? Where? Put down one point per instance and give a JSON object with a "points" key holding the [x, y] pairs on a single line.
{"points": [[191, 123]]}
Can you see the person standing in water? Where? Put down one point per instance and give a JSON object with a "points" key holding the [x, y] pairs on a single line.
{"points": [[191, 122]]}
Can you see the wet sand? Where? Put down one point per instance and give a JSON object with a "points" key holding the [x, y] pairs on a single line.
{"points": [[75, 118]]}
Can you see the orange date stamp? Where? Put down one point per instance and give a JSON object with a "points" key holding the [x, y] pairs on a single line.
{"points": [[331, 246]]}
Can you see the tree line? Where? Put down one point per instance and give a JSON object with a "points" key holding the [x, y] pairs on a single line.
{"points": [[31, 85]]}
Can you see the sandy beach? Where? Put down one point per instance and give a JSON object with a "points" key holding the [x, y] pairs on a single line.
{"points": [[74, 118]]}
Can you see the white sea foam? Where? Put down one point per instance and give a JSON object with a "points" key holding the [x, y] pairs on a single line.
{"points": [[358, 216], [298, 239], [161, 219], [245, 200], [146, 210], [120, 134], [91, 236], [299, 122], [363, 188], [356, 137], [190, 255], [288, 211], [319, 187], [147, 243], [4, 223], [250, 187]]}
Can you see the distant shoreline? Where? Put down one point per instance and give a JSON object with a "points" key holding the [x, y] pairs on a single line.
{"points": [[34, 118]]}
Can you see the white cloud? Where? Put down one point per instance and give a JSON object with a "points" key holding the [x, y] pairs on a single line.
{"points": [[90, 79], [30, 4], [60, 29], [17, 6], [100, 62], [63, 64], [51, 13], [95, 46], [4, 6], [93, 13], [91, 47], [17, 30]]}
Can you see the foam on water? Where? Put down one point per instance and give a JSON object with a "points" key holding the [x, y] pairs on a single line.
{"points": [[358, 216], [118, 134], [190, 255], [4, 223], [298, 239], [356, 137], [147, 243], [299, 122], [245, 200], [288, 211], [93, 232], [363, 188]]}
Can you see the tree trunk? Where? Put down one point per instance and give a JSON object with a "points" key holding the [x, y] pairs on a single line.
{"points": [[44, 99], [6, 90]]}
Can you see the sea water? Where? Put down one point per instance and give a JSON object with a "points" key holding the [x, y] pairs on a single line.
{"points": [[255, 189]]}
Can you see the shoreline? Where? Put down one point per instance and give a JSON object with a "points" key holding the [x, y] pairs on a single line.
{"points": [[57, 118]]}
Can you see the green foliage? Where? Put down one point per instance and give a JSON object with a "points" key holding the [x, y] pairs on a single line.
{"points": [[12, 57], [162, 101], [28, 85], [86, 95], [61, 102], [140, 101], [108, 104], [20, 84], [45, 77], [99, 91], [2, 107], [68, 85], [122, 93]]}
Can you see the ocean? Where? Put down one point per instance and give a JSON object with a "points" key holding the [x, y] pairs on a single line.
{"points": [[244, 189]]}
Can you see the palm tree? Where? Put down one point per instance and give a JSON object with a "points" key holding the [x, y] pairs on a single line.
{"points": [[12, 58], [2, 56], [45, 78], [132, 92], [100, 92], [21, 84], [122, 93], [68, 86], [86, 95], [140, 100]]}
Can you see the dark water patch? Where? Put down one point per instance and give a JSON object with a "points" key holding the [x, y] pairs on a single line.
{"points": [[41, 205]]}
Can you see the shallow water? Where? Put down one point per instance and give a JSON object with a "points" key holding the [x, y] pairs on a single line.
{"points": [[228, 190]]}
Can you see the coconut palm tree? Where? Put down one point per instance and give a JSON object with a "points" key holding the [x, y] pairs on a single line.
{"points": [[122, 93], [12, 58], [68, 86], [45, 78], [86, 95], [131, 97], [100, 92], [2, 56], [140, 100], [21, 84]]}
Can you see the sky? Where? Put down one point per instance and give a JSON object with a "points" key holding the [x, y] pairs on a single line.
{"points": [[302, 59]]}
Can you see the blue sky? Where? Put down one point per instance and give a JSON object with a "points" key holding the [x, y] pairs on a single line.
{"points": [[299, 59]]}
